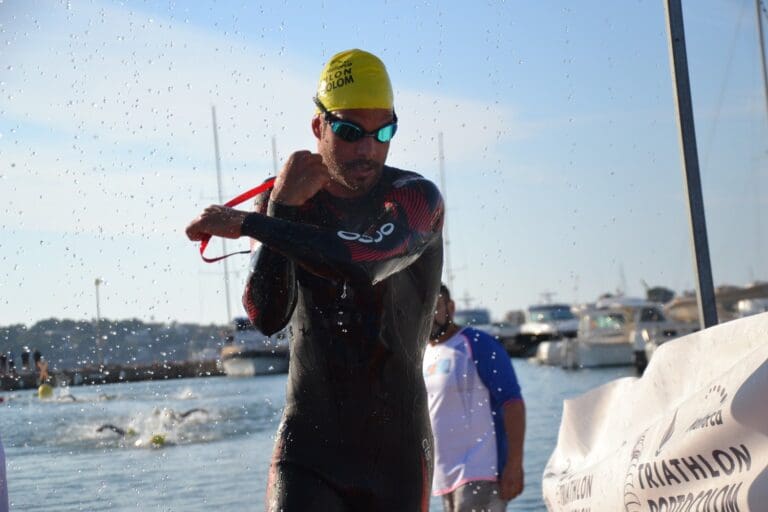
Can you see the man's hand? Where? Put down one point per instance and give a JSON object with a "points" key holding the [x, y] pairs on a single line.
{"points": [[302, 176], [216, 221], [511, 482]]}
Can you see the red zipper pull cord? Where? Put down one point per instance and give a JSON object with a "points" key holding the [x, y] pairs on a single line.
{"points": [[267, 185]]}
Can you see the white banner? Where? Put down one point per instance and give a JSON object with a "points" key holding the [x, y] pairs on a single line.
{"points": [[691, 435]]}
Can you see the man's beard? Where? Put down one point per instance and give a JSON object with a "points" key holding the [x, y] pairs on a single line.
{"points": [[344, 172], [361, 164], [439, 329]]}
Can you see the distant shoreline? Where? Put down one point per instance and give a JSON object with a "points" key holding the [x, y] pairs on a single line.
{"points": [[111, 374]]}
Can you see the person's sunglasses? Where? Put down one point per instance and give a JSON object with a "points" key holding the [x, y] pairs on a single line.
{"points": [[352, 132]]}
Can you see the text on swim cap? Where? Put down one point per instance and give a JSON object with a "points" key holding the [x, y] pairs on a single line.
{"points": [[338, 76]]}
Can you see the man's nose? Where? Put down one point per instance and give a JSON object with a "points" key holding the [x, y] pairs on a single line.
{"points": [[365, 146]]}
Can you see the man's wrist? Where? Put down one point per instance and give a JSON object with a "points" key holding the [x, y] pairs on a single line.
{"points": [[282, 211], [276, 197]]}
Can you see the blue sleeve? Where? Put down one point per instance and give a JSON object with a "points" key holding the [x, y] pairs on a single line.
{"points": [[494, 367]]}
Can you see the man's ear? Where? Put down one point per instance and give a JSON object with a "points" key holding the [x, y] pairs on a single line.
{"points": [[317, 126]]}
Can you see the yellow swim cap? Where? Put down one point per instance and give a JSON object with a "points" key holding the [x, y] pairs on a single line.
{"points": [[45, 391], [355, 79]]}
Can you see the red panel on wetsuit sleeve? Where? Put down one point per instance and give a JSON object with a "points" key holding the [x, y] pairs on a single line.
{"points": [[251, 309], [359, 252], [418, 213]]}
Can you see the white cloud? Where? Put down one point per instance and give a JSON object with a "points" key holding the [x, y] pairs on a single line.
{"points": [[118, 107], [105, 123], [136, 81]]}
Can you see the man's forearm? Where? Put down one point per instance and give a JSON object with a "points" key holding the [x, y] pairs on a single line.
{"points": [[391, 244], [514, 426], [270, 292]]}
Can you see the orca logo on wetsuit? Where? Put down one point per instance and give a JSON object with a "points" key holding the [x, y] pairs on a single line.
{"points": [[383, 231]]}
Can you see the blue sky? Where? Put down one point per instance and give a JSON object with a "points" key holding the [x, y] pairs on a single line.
{"points": [[562, 161]]}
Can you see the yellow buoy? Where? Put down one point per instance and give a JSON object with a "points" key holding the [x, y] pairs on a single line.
{"points": [[157, 440], [45, 391]]}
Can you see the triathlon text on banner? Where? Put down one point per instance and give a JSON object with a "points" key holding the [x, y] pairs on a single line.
{"points": [[691, 435]]}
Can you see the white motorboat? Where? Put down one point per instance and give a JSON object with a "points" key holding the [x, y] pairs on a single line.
{"points": [[613, 333], [505, 333], [249, 352], [545, 329]]}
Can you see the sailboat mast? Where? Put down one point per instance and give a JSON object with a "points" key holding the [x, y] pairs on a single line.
{"points": [[761, 35], [446, 240], [705, 290], [221, 201], [759, 9], [274, 155]]}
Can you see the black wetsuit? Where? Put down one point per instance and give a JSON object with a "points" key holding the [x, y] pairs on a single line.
{"points": [[358, 278]]}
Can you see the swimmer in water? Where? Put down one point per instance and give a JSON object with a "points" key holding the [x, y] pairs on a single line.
{"points": [[131, 432], [116, 430], [186, 414]]}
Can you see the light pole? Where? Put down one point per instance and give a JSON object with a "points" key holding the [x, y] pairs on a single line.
{"points": [[99, 358]]}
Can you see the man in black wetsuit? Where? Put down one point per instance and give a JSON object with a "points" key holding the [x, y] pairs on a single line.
{"points": [[351, 255]]}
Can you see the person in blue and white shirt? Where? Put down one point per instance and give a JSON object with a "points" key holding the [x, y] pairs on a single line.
{"points": [[477, 414]]}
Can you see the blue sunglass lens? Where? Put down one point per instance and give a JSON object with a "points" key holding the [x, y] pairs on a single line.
{"points": [[351, 132], [386, 133], [346, 131]]}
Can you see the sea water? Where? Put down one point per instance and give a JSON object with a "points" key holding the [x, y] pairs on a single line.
{"points": [[216, 456]]}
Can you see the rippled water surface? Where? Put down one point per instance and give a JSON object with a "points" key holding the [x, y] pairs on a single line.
{"points": [[215, 456]]}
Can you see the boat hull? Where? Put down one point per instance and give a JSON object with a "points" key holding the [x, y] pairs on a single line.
{"points": [[580, 354], [575, 353], [252, 364]]}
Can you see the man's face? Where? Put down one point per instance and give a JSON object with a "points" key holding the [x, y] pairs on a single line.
{"points": [[355, 167], [443, 316]]}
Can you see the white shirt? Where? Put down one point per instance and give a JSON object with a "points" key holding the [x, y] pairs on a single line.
{"points": [[461, 415]]}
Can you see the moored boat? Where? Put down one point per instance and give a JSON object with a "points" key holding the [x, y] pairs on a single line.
{"points": [[249, 352], [613, 333]]}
